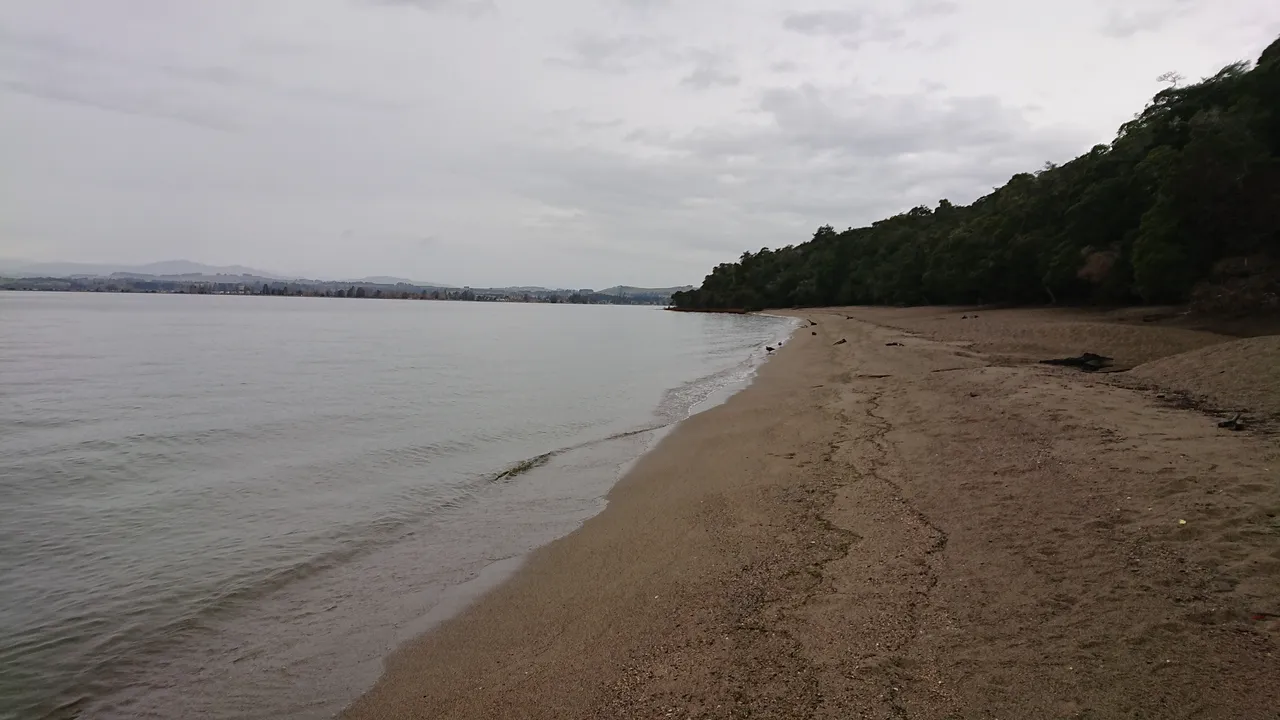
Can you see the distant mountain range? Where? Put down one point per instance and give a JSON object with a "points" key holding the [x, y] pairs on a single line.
{"points": [[185, 270], [19, 268], [175, 270], [389, 280]]}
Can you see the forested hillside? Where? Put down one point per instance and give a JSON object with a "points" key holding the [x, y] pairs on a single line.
{"points": [[1185, 201]]}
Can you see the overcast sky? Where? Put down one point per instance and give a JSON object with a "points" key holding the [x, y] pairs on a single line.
{"points": [[576, 143]]}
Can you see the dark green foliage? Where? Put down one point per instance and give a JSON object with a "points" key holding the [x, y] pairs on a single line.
{"points": [[1190, 181]]}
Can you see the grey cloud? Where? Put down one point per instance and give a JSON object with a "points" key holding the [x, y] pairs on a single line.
{"points": [[939, 42], [709, 70], [215, 75], [646, 204], [829, 155], [646, 136], [230, 78], [270, 47], [40, 42], [704, 78], [644, 199], [890, 124], [121, 102], [418, 240], [527, 170], [615, 54], [56, 69], [473, 8], [1145, 16], [598, 124], [926, 8], [835, 23], [850, 28]]}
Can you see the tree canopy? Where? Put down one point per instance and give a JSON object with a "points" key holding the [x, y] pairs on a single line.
{"points": [[1191, 182]]}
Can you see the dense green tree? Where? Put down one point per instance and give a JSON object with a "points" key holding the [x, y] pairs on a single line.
{"points": [[1192, 180]]}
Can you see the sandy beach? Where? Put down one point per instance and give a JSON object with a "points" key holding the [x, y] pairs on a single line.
{"points": [[919, 522]]}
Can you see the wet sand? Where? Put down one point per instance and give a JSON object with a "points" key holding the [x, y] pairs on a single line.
{"points": [[937, 529]]}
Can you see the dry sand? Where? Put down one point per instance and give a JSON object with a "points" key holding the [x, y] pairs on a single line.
{"points": [[1241, 375], [941, 529]]}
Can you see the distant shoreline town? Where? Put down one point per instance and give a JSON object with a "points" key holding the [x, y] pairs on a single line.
{"points": [[199, 284]]}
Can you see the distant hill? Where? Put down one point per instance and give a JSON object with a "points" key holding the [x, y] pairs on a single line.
{"points": [[19, 268], [188, 271], [389, 280], [628, 291]]}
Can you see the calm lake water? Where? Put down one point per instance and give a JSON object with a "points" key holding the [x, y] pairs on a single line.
{"points": [[236, 507]]}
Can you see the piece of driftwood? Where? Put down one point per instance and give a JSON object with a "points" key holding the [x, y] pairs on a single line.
{"points": [[1235, 423], [1087, 362]]}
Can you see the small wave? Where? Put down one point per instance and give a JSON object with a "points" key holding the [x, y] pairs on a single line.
{"points": [[692, 397], [525, 466], [537, 461], [145, 639], [679, 402]]}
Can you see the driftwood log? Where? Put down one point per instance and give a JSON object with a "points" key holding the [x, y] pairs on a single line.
{"points": [[1088, 362]]}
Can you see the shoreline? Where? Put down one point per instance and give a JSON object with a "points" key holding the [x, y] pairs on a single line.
{"points": [[882, 529], [718, 311], [457, 598]]}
